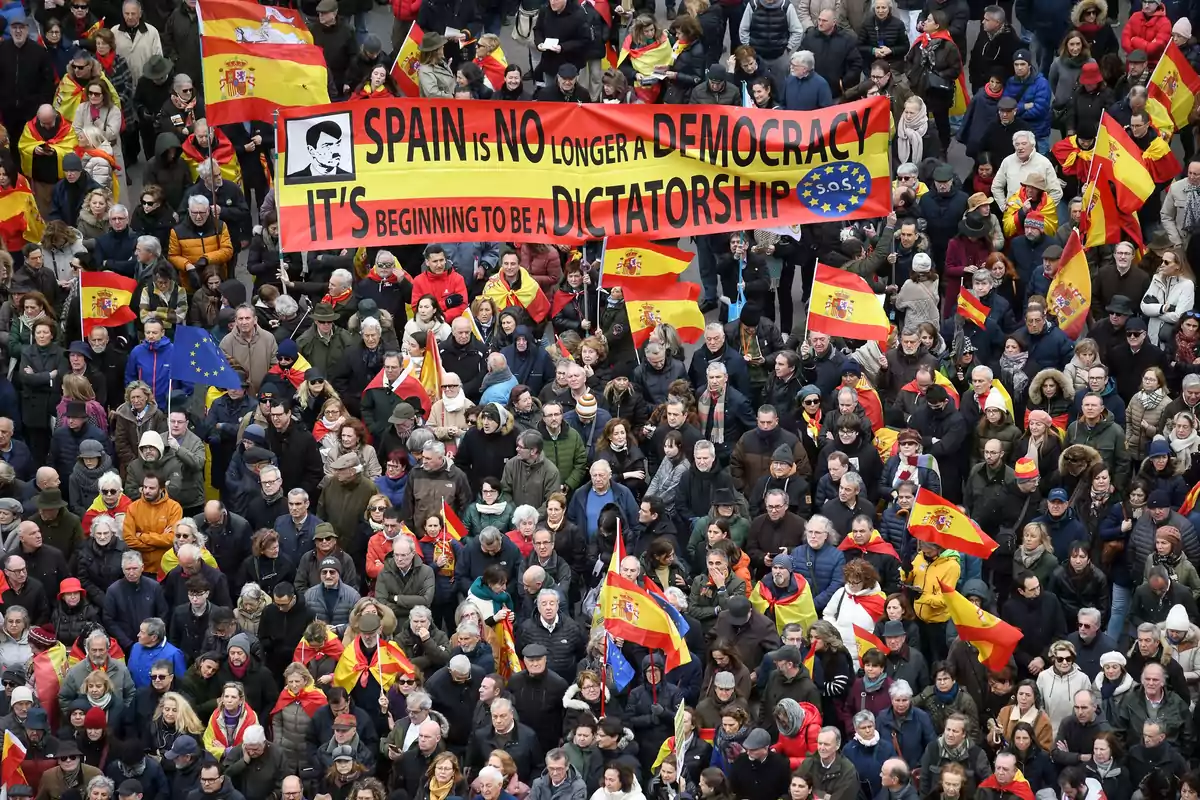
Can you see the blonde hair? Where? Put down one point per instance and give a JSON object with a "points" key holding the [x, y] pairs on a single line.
{"points": [[77, 387], [186, 720], [94, 136]]}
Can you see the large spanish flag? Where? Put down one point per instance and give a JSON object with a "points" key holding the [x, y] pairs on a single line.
{"points": [[105, 299], [20, 220], [251, 23], [1130, 176], [629, 612], [842, 304], [675, 304], [385, 665], [250, 81], [431, 368], [63, 142], [971, 308], [644, 260], [1101, 221], [1175, 84], [529, 297], [1189, 502], [504, 649], [1070, 292], [994, 638], [937, 520], [493, 65], [785, 608], [404, 68], [220, 149]]}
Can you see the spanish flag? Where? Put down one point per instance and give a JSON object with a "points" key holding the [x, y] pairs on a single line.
{"points": [[842, 304], [971, 308], [451, 524], [668, 746], [404, 68], [868, 398], [406, 387], [222, 152], [675, 304], [937, 520], [104, 300], [994, 638], [875, 544], [431, 368], [529, 296], [1117, 151], [63, 142], [310, 699], [867, 640], [644, 260], [1018, 788], [20, 220], [332, 647], [1162, 164], [493, 66], [250, 81], [1070, 293], [940, 380], [1101, 221], [71, 94], [1175, 84], [644, 58], [387, 662], [249, 22], [629, 612], [504, 649], [11, 757], [1189, 502], [786, 609], [1075, 161]]}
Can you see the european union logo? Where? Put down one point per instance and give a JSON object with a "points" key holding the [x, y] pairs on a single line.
{"points": [[197, 359], [619, 667], [834, 190]]}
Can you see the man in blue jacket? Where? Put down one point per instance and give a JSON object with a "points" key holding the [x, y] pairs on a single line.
{"points": [[1048, 346], [1032, 92], [150, 362], [591, 498], [804, 89], [152, 646]]}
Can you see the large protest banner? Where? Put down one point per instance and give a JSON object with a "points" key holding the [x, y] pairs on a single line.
{"points": [[407, 170]]}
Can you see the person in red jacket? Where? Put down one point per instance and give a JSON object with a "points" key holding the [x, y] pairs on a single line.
{"points": [[543, 264], [1149, 31], [799, 724], [445, 284]]}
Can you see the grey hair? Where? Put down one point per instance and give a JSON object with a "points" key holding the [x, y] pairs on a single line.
{"points": [[1019, 135], [863, 716], [824, 521], [490, 535], [846, 391], [189, 551], [1148, 627], [535, 572], [157, 628], [298, 493], [187, 522], [343, 277], [370, 324], [716, 367], [547, 592], [504, 704], [1138, 93], [101, 782], [983, 276], [205, 169], [180, 80], [419, 700], [254, 591], [98, 633], [420, 611], [18, 610], [556, 754], [777, 493], [198, 201], [983, 371], [907, 168], [117, 208], [705, 445], [150, 244], [268, 469], [714, 327], [286, 305], [996, 13], [103, 521], [1089, 613], [804, 58], [491, 774], [132, 558], [854, 478], [434, 446], [522, 513], [677, 598], [653, 349], [837, 734], [900, 688]]}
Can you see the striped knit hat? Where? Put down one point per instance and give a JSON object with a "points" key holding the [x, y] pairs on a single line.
{"points": [[585, 407], [1026, 470]]}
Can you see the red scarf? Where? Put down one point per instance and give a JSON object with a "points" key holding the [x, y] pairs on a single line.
{"points": [[307, 651], [107, 61], [987, 90], [924, 39], [310, 699], [1185, 349], [341, 298], [222, 148], [375, 276]]}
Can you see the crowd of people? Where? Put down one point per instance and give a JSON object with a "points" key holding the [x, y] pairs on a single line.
{"points": [[310, 586]]}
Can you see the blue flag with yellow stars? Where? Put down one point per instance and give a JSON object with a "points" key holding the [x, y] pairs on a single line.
{"points": [[197, 359]]}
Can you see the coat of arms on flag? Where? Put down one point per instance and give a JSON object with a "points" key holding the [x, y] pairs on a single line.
{"points": [[237, 79], [839, 305], [624, 608], [630, 263]]}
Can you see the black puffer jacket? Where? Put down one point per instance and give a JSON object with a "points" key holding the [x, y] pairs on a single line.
{"points": [[97, 567], [689, 69], [887, 32], [836, 57]]}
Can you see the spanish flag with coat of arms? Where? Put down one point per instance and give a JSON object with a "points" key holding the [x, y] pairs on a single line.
{"points": [[386, 664], [1070, 292], [404, 68], [528, 295], [644, 58]]}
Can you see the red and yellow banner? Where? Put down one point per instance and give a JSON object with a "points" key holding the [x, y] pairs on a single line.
{"points": [[403, 170], [20, 220], [1189, 502], [842, 304], [1070, 292], [937, 520], [250, 81], [250, 23], [971, 308], [994, 638], [105, 299], [867, 640], [1175, 84]]}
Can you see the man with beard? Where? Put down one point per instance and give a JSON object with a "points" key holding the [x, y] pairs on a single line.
{"points": [[464, 355], [899, 365], [299, 457], [46, 143], [776, 531], [783, 387]]}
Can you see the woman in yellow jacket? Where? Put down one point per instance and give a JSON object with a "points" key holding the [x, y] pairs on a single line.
{"points": [[931, 567]]}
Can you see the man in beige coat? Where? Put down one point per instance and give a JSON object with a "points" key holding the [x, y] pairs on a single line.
{"points": [[252, 348]]}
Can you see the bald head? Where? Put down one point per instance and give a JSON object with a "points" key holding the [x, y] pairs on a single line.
{"points": [[47, 478], [46, 115]]}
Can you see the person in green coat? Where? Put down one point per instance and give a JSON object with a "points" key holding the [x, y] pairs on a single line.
{"points": [[489, 509], [563, 446]]}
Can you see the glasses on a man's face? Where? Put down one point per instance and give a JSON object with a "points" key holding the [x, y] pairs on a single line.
{"points": [[149, 202], [186, 90], [79, 67], [159, 677], [329, 572]]}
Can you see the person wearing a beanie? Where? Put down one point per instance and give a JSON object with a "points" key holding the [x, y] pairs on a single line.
{"points": [[755, 336], [783, 474], [1168, 554], [918, 298], [66, 201], [589, 420]]}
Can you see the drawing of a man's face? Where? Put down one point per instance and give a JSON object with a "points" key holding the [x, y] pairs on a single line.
{"points": [[326, 151]]}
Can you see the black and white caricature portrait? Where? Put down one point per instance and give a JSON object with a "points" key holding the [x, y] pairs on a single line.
{"points": [[320, 149]]}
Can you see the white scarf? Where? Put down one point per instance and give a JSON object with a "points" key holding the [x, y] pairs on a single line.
{"points": [[454, 404], [910, 135]]}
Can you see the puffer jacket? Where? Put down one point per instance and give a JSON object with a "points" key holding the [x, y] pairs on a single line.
{"points": [[891, 32], [189, 244], [291, 726], [1149, 33], [1033, 89], [946, 568], [97, 567], [1108, 440], [823, 569], [1137, 441], [482, 454], [83, 484], [1060, 404]]}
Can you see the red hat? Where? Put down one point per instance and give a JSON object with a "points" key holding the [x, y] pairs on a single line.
{"points": [[42, 635], [95, 718], [69, 585], [1090, 74]]}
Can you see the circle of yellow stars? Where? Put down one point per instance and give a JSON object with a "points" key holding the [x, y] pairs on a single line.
{"points": [[835, 172], [194, 354]]}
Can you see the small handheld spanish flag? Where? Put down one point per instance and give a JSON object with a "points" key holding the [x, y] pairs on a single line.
{"points": [[867, 640], [1189, 502], [971, 308]]}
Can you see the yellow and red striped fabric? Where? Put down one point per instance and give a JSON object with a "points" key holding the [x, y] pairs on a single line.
{"points": [[842, 304], [105, 299], [971, 308], [250, 81], [937, 520], [251, 23], [994, 638], [20, 220], [675, 304], [1070, 292], [1175, 84], [404, 68]]}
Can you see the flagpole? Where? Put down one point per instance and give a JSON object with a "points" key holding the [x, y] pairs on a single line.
{"points": [[279, 239]]}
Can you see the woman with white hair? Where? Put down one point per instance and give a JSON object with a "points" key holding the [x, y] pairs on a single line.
{"points": [[186, 532], [250, 604]]}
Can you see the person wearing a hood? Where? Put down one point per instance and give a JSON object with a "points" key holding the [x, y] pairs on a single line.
{"points": [[38, 364], [150, 519], [529, 362], [153, 457], [943, 208], [83, 484], [487, 447], [168, 171], [651, 707]]}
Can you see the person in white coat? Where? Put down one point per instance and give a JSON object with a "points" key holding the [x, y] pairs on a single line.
{"points": [[1181, 640], [137, 41], [1058, 685], [859, 602], [1172, 292]]}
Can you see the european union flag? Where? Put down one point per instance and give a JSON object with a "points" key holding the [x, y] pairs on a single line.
{"points": [[197, 359], [618, 666]]}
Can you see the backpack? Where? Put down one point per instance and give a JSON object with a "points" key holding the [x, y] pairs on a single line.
{"points": [[524, 23]]}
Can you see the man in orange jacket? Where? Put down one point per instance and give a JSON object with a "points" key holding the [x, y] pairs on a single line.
{"points": [[150, 522]]}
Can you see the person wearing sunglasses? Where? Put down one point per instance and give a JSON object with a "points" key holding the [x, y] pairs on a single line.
{"points": [[82, 70], [1057, 686]]}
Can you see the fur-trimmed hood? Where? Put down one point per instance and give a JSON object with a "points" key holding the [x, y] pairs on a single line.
{"points": [[1123, 687], [1091, 457], [1084, 5], [507, 421], [572, 699], [1065, 389]]}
